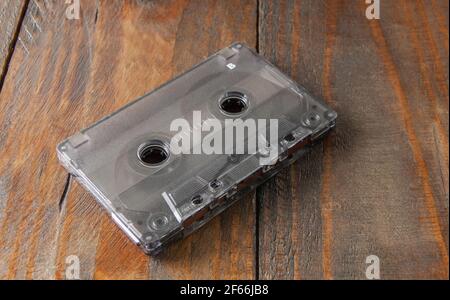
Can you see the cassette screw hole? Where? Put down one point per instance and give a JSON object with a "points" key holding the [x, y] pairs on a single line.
{"points": [[159, 222], [290, 137], [312, 120], [233, 103], [215, 184], [330, 114], [233, 158], [197, 200]]}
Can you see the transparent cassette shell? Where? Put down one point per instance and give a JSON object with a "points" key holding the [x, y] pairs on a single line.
{"points": [[156, 196]]}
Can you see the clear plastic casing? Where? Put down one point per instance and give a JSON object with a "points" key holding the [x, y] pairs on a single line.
{"points": [[154, 195]]}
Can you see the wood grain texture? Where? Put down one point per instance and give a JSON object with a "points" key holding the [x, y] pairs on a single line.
{"points": [[379, 184], [11, 13], [73, 72]]}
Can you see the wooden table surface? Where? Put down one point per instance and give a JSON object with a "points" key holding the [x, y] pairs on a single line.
{"points": [[378, 185]]}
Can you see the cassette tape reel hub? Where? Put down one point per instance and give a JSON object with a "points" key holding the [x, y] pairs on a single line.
{"points": [[155, 194], [153, 153], [233, 103]]}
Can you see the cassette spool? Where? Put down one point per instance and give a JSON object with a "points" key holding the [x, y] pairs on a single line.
{"points": [[155, 194]]}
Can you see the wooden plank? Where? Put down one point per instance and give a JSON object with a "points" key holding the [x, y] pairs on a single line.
{"points": [[11, 13], [379, 184], [68, 74]]}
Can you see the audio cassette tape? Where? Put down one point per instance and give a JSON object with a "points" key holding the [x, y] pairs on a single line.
{"points": [[168, 162]]}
